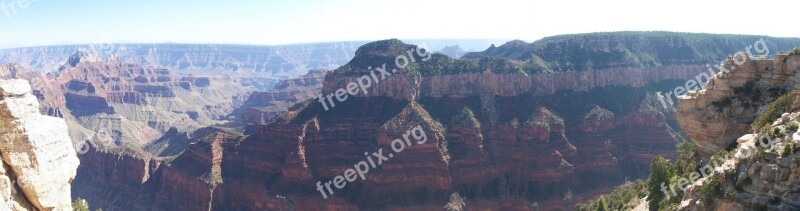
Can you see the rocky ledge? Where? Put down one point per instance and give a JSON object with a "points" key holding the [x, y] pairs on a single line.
{"points": [[724, 109]]}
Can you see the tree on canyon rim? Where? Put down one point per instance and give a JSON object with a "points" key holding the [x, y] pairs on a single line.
{"points": [[660, 172]]}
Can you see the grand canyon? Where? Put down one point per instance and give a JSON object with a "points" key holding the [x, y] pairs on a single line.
{"points": [[319, 114]]}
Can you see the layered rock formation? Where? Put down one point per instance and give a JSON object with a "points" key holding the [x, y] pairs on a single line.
{"points": [[523, 131], [261, 106], [761, 174], [288, 60], [504, 147], [717, 115], [114, 103], [39, 162], [743, 111]]}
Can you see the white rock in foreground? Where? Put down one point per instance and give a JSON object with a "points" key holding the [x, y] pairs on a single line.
{"points": [[39, 159]]}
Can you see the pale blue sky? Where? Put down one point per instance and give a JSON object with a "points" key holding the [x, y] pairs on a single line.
{"points": [[46, 22]]}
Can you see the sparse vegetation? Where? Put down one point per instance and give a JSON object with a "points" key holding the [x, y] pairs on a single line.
{"points": [[789, 149], [796, 51], [710, 191], [456, 202], [81, 205], [776, 133], [543, 117], [721, 104], [624, 197], [443, 148], [597, 114], [785, 103], [465, 118], [661, 171], [792, 126], [760, 154]]}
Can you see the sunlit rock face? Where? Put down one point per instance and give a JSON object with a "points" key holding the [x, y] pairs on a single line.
{"points": [[717, 115], [39, 161]]}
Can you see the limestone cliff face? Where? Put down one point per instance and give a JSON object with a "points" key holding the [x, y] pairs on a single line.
{"points": [[523, 141], [261, 106], [39, 161], [129, 103], [763, 172], [404, 87], [760, 174], [721, 112]]}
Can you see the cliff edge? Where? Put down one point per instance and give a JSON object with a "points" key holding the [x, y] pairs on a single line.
{"points": [[39, 161]]}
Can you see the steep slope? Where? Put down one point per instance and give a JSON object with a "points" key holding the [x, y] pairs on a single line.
{"points": [[503, 139], [261, 106], [757, 127], [38, 160], [725, 109], [110, 103]]}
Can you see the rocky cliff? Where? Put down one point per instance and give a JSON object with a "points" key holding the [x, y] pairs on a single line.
{"points": [[501, 140], [113, 103], [39, 162], [261, 106], [517, 128], [751, 114], [717, 115]]}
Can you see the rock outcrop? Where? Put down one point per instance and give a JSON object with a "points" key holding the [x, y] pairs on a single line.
{"points": [[121, 103], [502, 139], [261, 106], [39, 161], [761, 174], [724, 109]]}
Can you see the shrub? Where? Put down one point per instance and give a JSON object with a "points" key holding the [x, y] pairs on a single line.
{"points": [[660, 172], [760, 153], [792, 126], [789, 149], [80, 205], [721, 104], [776, 108], [688, 158], [710, 191], [456, 202], [796, 51], [465, 118], [729, 194], [624, 197], [722, 155], [777, 133], [597, 114]]}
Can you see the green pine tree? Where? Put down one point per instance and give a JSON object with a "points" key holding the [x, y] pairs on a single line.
{"points": [[660, 172]]}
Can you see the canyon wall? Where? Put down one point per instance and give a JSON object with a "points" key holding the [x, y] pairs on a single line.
{"points": [[747, 117], [403, 87], [288, 60], [502, 140], [717, 115], [508, 141]]}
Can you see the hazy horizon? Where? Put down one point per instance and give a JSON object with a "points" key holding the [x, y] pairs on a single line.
{"points": [[251, 22]]}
